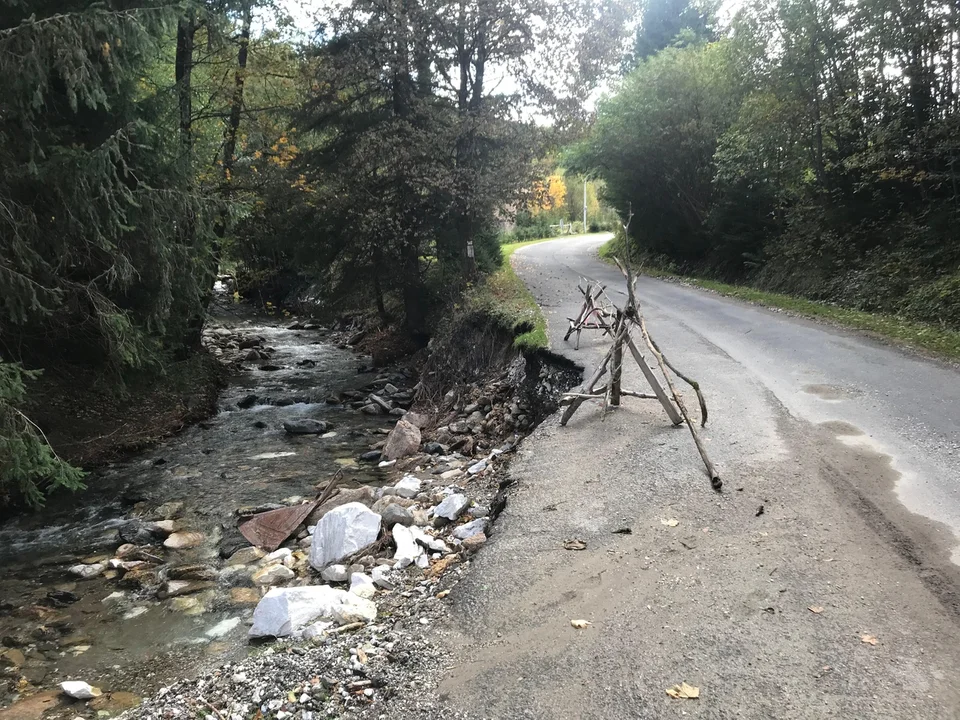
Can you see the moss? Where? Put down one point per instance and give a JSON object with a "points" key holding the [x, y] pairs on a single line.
{"points": [[934, 339]]}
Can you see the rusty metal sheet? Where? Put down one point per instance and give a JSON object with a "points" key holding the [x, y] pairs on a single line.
{"points": [[268, 530]]}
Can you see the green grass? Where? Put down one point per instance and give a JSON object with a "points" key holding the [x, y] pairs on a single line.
{"points": [[504, 297], [923, 336]]}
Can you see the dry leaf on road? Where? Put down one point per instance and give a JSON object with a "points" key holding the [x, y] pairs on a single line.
{"points": [[868, 639], [574, 545], [672, 522], [684, 691], [815, 609], [581, 624]]}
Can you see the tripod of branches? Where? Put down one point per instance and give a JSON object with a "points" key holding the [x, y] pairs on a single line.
{"points": [[627, 318]]}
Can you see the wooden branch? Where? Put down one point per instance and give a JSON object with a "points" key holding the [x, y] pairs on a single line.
{"points": [[715, 482], [577, 402], [616, 374], [690, 381], [674, 416]]}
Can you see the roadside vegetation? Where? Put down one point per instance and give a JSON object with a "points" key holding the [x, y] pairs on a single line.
{"points": [[807, 148], [934, 339]]}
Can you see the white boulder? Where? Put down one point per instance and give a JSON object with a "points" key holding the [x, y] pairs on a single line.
{"points": [[273, 574], [341, 532], [80, 690], [408, 487], [462, 532], [407, 548], [452, 506], [284, 611]]}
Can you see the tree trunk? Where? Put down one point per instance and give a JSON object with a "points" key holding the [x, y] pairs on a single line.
{"points": [[183, 68], [236, 102]]}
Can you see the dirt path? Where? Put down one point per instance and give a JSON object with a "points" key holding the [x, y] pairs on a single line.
{"points": [[722, 598]]}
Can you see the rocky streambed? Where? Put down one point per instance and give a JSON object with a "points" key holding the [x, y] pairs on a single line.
{"points": [[150, 582]]}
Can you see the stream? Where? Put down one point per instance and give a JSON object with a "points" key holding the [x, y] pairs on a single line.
{"points": [[123, 640]]}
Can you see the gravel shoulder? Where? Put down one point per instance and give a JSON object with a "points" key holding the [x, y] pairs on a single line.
{"points": [[833, 601]]}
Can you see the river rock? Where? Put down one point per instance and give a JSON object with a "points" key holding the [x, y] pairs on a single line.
{"points": [[248, 401], [408, 551], [462, 532], [394, 514], [477, 468], [139, 532], [370, 456], [13, 657], [371, 409], [193, 572], [335, 573], [362, 585], [451, 507], [402, 441], [305, 426], [341, 532], [408, 487], [86, 572], [79, 690], [459, 428], [434, 448], [384, 405], [139, 576], [284, 611], [175, 588], [473, 543], [354, 608], [383, 576], [245, 556], [273, 575], [184, 540], [169, 510]]}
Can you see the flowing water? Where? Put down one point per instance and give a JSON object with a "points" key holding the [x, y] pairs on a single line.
{"points": [[239, 457]]}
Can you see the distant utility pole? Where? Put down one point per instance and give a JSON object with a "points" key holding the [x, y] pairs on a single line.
{"points": [[584, 206]]}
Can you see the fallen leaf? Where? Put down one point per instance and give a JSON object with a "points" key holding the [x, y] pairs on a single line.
{"points": [[684, 691], [816, 609], [574, 545], [581, 624], [361, 656], [868, 639], [672, 522], [442, 594]]}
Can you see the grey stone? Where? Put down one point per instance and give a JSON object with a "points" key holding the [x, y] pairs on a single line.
{"points": [[403, 440], [371, 409], [434, 448], [452, 506], [480, 525], [305, 426], [394, 514]]}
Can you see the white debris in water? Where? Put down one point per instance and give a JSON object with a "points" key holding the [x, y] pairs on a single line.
{"points": [[223, 627], [80, 690], [114, 597], [135, 612], [272, 455]]}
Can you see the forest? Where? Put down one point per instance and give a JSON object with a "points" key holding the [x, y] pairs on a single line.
{"points": [[806, 146], [379, 152]]}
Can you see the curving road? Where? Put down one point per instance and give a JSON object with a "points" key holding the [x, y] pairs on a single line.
{"points": [[818, 584], [905, 406]]}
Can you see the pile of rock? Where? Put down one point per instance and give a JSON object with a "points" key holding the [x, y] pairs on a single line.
{"points": [[234, 346], [387, 394]]}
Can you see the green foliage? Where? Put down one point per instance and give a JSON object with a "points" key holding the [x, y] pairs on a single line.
{"points": [[28, 466]]}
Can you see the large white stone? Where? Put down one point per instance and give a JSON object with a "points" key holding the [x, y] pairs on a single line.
{"points": [[284, 611], [452, 506], [407, 548], [341, 532], [80, 690], [335, 573]]}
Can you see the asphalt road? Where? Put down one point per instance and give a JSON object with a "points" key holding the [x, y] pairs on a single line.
{"points": [[905, 406], [818, 584]]}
